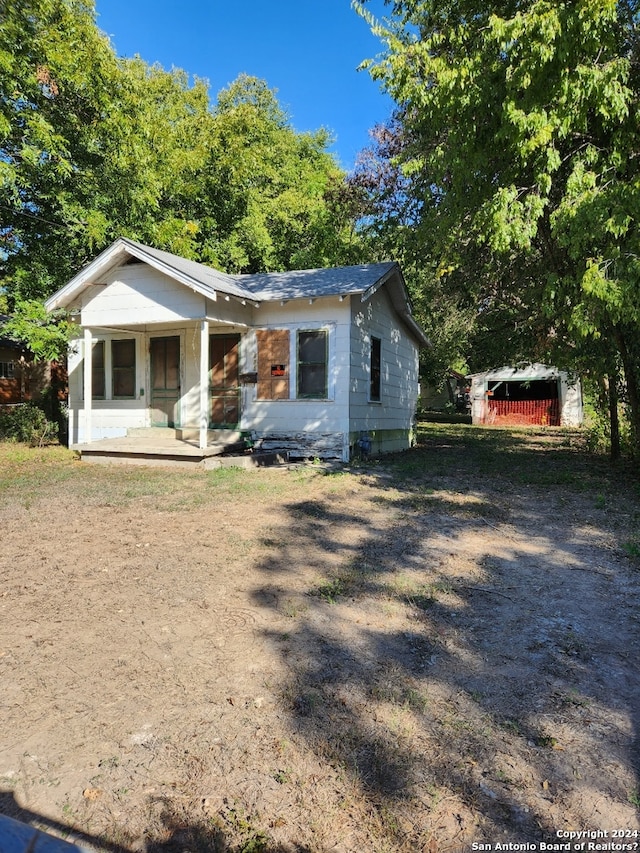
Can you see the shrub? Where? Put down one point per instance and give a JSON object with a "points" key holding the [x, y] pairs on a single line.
{"points": [[26, 422]]}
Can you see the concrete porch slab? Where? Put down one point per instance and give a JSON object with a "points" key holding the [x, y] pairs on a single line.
{"points": [[161, 447]]}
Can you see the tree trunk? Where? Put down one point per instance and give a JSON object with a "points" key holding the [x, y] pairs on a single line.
{"points": [[614, 416], [631, 374]]}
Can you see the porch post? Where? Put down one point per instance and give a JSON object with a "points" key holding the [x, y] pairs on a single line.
{"points": [[88, 385], [204, 383]]}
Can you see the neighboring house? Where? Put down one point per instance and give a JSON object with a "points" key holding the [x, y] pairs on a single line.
{"points": [[526, 394], [310, 362], [21, 379]]}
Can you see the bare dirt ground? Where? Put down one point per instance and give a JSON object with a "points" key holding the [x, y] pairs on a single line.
{"points": [[415, 654]]}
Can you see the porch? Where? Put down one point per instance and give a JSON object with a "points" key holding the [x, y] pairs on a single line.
{"points": [[168, 447]]}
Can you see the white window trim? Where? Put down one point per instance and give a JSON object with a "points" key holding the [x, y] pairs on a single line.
{"points": [[108, 370]]}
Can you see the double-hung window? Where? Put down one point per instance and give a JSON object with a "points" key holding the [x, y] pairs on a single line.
{"points": [[312, 364], [113, 370], [375, 368], [123, 368], [97, 371]]}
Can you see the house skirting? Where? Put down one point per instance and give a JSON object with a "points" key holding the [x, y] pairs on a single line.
{"points": [[376, 442], [301, 445], [334, 446]]}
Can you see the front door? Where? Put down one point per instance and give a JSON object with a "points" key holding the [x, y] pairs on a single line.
{"points": [[224, 380], [165, 381]]}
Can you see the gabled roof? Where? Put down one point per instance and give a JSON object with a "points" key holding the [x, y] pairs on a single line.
{"points": [[198, 277], [519, 373], [363, 279]]}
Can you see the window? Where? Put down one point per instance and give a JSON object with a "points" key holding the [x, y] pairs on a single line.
{"points": [[7, 370], [123, 368], [376, 349], [273, 364], [312, 364], [97, 371]]}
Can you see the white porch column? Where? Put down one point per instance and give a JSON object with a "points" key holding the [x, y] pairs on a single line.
{"points": [[204, 383], [88, 385]]}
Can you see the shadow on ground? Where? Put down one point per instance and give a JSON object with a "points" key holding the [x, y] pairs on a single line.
{"points": [[471, 693]]}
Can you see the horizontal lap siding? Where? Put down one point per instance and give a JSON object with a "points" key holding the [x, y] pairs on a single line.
{"points": [[137, 295], [399, 367], [292, 416]]}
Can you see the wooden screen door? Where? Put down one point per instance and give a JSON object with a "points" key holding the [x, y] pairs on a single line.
{"points": [[224, 381], [165, 381]]}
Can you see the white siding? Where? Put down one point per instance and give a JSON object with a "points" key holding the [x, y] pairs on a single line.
{"points": [[399, 385], [138, 295], [571, 413], [328, 416], [109, 418]]}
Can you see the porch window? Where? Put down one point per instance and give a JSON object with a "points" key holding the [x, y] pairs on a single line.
{"points": [[312, 364], [6, 370], [97, 371], [375, 370], [123, 368]]}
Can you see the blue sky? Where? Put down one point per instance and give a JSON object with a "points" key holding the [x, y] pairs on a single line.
{"points": [[308, 50]]}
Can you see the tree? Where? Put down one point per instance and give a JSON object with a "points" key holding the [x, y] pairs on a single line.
{"points": [[56, 74], [93, 147], [276, 193], [522, 119]]}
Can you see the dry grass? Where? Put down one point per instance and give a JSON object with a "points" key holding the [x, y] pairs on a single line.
{"points": [[415, 654]]}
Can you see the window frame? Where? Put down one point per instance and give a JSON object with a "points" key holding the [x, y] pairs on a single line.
{"points": [[118, 370], [301, 364], [375, 369], [97, 370], [7, 370]]}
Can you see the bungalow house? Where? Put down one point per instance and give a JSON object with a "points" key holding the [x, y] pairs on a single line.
{"points": [[315, 363]]}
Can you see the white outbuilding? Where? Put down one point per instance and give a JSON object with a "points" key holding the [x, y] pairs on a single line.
{"points": [[527, 394]]}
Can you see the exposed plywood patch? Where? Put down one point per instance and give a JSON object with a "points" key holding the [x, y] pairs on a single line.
{"points": [[303, 445]]}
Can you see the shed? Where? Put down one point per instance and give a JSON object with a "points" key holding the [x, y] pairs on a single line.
{"points": [[313, 363], [527, 394]]}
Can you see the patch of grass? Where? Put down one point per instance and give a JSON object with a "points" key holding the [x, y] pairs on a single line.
{"points": [[347, 581], [512, 726], [634, 797], [330, 590], [545, 741], [632, 549], [401, 695]]}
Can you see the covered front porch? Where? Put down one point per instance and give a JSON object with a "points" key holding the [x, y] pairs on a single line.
{"points": [[183, 380]]}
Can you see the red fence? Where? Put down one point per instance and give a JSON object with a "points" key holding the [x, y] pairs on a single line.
{"points": [[524, 412]]}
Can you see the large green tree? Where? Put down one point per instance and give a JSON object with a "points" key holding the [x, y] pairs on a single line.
{"points": [[93, 146], [275, 197], [521, 127]]}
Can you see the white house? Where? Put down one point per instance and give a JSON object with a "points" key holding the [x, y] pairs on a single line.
{"points": [[310, 362]]}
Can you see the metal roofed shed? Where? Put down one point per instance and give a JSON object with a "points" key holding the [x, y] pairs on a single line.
{"points": [[526, 395]]}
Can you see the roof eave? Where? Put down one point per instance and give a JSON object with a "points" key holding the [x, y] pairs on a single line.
{"points": [[111, 256], [400, 301]]}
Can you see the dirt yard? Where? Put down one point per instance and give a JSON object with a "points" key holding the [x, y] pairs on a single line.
{"points": [[417, 654]]}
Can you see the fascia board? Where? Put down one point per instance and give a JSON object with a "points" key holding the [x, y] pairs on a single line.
{"points": [[104, 261]]}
